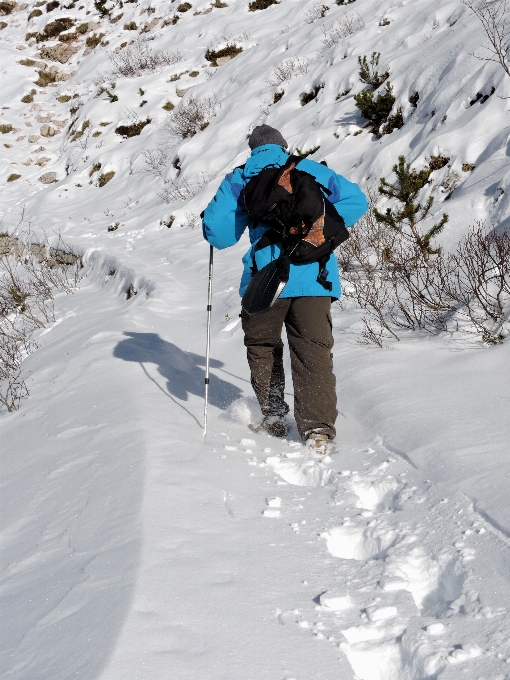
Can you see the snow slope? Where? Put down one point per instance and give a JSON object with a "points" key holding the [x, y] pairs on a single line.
{"points": [[133, 550]]}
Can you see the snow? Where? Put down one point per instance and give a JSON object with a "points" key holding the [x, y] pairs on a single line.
{"points": [[131, 548]]}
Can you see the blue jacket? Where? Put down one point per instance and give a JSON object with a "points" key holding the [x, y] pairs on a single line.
{"points": [[226, 218]]}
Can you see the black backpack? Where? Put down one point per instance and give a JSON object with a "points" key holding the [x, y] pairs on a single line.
{"points": [[293, 204]]}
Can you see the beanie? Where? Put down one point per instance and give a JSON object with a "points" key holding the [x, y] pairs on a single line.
{"points": [[265, 134]]}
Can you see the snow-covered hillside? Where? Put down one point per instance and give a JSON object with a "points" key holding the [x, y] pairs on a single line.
{"points": [[130, 548]]}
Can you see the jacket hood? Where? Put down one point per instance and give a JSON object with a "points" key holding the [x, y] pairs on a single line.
{"points": [[264, 156]]}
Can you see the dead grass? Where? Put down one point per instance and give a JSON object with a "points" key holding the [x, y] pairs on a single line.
{"points": [[261, 4], [45, 78], [230, 50], [104, 179], [134, 129]]}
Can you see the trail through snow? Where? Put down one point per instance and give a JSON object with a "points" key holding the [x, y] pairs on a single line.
{"points": [[145, 553]]}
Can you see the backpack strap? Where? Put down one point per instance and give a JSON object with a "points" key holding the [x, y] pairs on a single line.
{"points": [[323, 273], [268, 238]]}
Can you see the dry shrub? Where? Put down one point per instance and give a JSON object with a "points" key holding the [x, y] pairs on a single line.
{"points": [[156, 160], [476, 277], [191, 220], [288, 68], [350, 24], [176, 190], [495, 20], [399, 290], [30, 273], [139, 58], [317, 11], [191, 115]]}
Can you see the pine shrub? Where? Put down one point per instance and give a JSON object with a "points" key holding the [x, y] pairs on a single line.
{"points": [[375, 107], [409, 213], [368, 72]]}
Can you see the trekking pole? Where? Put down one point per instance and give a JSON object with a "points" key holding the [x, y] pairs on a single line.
{"points": [[208, 346]]}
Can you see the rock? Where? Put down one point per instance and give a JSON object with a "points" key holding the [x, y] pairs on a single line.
{"points": [[61, 52], [35, 107], [29, 161], [42, 161], [20, 138], [48, 131], [39, 149], [48, 178], [8, 245], [150, 25], [33, 139], [60, 76], [222, 60], [59, 123], [46, 118], [181, 93], [21, 47]]}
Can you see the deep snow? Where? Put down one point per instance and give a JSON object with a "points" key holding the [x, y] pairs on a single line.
{"points": [[131, 549]]}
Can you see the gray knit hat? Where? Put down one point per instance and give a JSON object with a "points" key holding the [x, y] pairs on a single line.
{"points": [[265, 134]]}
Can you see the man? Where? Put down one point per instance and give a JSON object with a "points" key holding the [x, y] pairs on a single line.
{"points": [[304, 306]]}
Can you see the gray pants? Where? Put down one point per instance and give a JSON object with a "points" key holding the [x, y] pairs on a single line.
{"points": [[308, 324]]}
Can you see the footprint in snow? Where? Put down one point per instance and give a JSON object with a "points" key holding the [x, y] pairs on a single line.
{"points": [[301, 473]]}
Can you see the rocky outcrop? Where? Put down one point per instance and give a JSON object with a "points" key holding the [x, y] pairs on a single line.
{"points": [[61, 52], [48, 178]]}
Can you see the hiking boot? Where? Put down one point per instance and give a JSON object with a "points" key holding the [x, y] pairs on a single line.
{"points": [[317, 443], [273, 425]]}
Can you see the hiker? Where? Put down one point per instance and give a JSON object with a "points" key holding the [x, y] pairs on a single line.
{"points": [[304, 305]]}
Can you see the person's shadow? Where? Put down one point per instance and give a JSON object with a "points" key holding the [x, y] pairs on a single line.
{"points": [[182, 370]]}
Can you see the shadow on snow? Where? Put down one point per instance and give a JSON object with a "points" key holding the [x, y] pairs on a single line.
{"points": [[184, 372]]}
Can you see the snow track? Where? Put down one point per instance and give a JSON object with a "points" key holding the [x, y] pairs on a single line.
{"points": [[410, 595], [243, 557]]}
